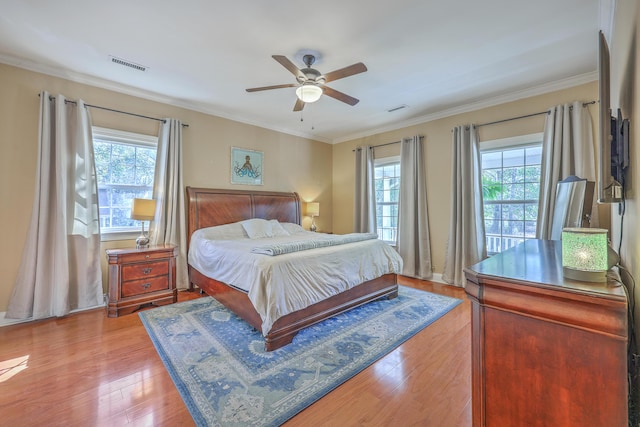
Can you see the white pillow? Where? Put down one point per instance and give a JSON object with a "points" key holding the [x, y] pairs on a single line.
{"points": [[258, 228], [222, 232], [292, 228], [277, 230]]}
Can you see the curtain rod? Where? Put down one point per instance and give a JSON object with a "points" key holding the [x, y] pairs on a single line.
{"points": [[379, 145], [584, 104], [51, 97]]}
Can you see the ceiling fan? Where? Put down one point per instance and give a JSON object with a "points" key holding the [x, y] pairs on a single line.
{"points": [[311, 84]]}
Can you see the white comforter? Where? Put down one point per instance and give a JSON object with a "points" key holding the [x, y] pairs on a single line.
{"points": [[278, 285]]}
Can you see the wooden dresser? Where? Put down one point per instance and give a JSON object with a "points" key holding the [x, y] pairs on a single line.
{"points": [[546, 351], [140, 278]]}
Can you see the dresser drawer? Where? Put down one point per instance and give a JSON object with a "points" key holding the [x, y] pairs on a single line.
{"points": [[143, 286], [144, 270]]}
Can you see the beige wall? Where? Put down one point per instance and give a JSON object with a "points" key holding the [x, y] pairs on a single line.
{"points": [[290, 163], [625, 94], [437, 135]]}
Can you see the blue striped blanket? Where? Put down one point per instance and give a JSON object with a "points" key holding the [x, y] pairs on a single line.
{"points": [[303, 245]]}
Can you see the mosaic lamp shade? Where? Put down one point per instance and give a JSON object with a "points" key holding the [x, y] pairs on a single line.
{"points": [[585, 254]]}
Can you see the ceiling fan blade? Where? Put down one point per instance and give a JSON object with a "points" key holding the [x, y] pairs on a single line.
{"points": [[284, 61], [299, 105], [256, 89], [340, 96], [345, 72]]}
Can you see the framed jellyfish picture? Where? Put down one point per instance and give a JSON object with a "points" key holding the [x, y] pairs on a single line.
{"points": [[246, 166]]}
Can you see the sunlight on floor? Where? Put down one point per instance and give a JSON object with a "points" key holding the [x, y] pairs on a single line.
{"points": [[9, 368]]}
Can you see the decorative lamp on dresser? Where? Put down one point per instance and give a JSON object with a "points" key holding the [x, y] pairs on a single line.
{"points": [[546, 350], [141, 277]]}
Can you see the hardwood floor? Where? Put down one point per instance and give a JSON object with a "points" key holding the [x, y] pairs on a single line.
{"points": [[89, 370]]}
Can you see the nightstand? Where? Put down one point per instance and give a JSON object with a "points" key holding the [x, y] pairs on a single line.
{"points": [[140, 278]]}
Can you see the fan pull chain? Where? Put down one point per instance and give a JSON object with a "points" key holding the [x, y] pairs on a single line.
{"points": [[302, 117]]}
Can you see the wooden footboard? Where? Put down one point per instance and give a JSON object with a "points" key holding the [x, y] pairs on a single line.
{"points": [[286, 327]]}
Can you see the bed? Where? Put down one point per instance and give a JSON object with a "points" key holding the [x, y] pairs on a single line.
{"points": [[216, 207]]}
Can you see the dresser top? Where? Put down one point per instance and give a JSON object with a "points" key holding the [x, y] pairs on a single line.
{"points": [[539, 263]]}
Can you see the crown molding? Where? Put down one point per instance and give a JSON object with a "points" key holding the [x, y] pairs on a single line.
{"points": [[148, 95], [478, 105], [201, 108]]}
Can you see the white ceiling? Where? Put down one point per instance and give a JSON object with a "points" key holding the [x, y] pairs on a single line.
{"points": [[436, 57]]}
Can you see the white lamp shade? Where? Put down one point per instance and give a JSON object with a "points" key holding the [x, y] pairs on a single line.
{"points": [[313, 209], [309, 92], [143, 209], [585, 254]]}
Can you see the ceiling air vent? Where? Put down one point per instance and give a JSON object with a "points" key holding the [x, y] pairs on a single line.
{"points": [[129, 64], [399, 107]]}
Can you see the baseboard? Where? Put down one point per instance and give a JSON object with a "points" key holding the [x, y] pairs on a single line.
{"points": [[9, 322], [437, 277]]}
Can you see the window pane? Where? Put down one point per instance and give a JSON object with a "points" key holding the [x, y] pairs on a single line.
{"points": [[124, 171], [513, 192], [492, 160], [532, 173], [513, 158], [510, 178], [493, 227], [530, 229], [532, 191], [534, 155], [513, 212], [387, 185], [531, 212]]}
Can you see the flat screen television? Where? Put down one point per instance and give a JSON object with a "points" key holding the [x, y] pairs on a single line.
{"points": [[612, 138]]}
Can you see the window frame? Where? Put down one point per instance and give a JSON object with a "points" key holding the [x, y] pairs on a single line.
{"points": [[380, 162], [125, 138], [505, 144]]}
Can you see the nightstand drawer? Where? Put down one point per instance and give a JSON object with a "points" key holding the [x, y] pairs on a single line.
{"points": [[144, 270], [143, 286], [144, 256], [141, 277]]}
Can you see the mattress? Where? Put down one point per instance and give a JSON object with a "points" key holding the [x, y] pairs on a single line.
{"points": [[279, 285]]}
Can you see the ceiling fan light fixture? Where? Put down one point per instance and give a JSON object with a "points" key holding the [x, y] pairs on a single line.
{"points": [[308, 93]]}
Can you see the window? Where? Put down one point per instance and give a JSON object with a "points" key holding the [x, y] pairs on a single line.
{"points": [[510, 189], [125, 166], [387, 186]]}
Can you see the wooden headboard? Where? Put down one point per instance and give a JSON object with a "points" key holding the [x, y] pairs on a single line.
{"points": [[208, 207]]}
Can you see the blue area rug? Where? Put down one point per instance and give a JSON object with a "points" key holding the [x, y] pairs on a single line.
{"points": [[225, 377]]}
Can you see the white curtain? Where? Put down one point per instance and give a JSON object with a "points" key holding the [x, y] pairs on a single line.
{"points": [[365, 196], [170, 222], [60, 268], [466, 245], [567, 149], [413, 223]]}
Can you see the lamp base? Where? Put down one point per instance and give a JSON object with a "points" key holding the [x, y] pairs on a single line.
{"points": [[313, 225], [142, 242], [584, 276]]}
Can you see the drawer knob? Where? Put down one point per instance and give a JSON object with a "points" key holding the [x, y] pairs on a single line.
{"points": [[146, 270], [146, 256], [146, 285]]}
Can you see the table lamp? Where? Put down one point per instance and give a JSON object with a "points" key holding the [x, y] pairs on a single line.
{"points": [[585, 254], [313, 210], [143, 210]]}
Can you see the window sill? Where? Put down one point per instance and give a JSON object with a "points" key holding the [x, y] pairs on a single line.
{"points": [[119, 235]]}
